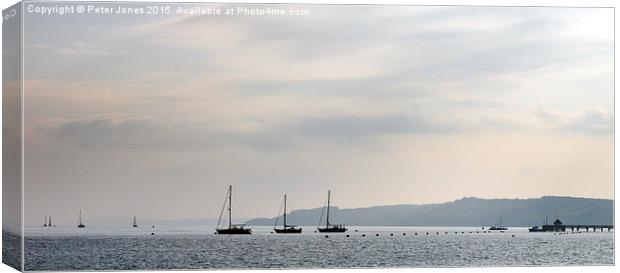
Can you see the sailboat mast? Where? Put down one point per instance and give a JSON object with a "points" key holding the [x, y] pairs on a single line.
{"points": [[328, 200], [80, 217], [50, 223], [230, 207], [45, 221], [134, 220], [285, 210]]}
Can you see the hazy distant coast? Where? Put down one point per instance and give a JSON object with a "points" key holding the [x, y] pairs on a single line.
{"points": [[464, 212]]}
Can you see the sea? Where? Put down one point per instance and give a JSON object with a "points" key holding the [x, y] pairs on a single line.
{"points": [[149, 248]]}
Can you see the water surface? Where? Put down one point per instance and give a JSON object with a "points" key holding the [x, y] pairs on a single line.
{"points": [[198, 248]]}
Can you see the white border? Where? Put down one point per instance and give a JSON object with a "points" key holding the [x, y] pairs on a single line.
{"points": [[552, 3]]}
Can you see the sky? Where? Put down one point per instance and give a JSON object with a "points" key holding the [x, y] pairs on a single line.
{"points": [[156, 116]]}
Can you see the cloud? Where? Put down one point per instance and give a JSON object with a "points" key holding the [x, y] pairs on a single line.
{"points": [[588, 121], [119, 131], [112, 131], [357, 126]]}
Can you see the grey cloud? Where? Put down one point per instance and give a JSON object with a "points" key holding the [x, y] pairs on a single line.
{"points": [[130, 132], [590, 121], [352, 126], [115, 131]]}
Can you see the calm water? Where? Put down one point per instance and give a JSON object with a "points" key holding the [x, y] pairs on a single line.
{"points": [[198, 248]]}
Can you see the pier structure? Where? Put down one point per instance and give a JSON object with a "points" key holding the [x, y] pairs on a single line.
{"points": [[559, 226]]}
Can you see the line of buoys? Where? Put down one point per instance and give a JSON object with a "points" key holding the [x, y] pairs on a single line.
{"points": [[427, 233]]}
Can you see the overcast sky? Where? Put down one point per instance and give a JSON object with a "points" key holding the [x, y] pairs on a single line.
{"points": [[383, 105]]}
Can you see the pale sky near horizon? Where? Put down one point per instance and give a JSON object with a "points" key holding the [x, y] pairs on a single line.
{"points": [[381, 104]]}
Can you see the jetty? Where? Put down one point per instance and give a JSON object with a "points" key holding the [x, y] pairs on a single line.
{"points": [[558, 226]]}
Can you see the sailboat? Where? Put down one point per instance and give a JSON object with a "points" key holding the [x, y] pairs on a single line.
{"points": [[80, 224], [328, 227], [50, 222], [286, 228], [45, 221], [500, 227], [135, 223], [231, 229]]}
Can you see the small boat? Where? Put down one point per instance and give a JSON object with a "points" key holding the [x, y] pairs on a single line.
{"points": [[499, 227], [286, 229], [536, 229], [329, 227], [50, 222], [45, 221], [135, 223], [232, 228], [80, 224]]}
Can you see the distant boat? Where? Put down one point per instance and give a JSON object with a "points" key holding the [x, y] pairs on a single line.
{"points": [[286, 228], [50, 222], [537, 228], [45, 221], [329, 227], [80, 224], [500, 227], [135, 223], [231, 229]]}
